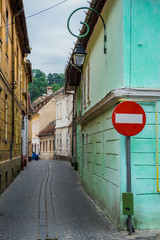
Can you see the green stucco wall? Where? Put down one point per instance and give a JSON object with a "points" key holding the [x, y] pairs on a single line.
{"points": [[141, 43], [106, 69], [132, 60], [143, 164], [99, 164]]}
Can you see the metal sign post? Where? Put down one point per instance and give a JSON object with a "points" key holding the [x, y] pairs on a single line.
{"points": [[128, 163], [128, 119]]}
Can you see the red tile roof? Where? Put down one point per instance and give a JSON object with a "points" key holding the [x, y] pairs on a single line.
{"points": [[48, 130]]}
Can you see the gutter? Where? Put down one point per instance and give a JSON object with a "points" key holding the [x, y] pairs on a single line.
{"points": [[13, 82]]}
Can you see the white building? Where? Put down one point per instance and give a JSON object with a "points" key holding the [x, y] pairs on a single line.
{"points": [[63, 133]]}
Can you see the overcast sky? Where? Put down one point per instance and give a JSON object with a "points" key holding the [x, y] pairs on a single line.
{"points": [[49, 37]]}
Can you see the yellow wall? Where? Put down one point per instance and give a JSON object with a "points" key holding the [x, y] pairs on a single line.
{"points": [[12, 66], [35, 125], [47, 114]]}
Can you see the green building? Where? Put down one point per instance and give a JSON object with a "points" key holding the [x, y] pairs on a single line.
{"points": [[129, 70]]}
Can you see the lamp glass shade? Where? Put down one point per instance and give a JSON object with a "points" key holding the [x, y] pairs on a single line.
{"points": [[79, 59]]}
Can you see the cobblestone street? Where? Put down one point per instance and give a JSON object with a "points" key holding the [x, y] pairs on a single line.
{"points": [[47, 202]]}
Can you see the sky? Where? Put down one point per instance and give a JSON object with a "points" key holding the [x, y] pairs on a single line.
{"points": [[48, 34]]}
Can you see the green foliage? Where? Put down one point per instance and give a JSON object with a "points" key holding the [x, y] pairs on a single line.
{"points": [[41, 82]]}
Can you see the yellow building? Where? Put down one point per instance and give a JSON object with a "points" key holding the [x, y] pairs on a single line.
{"points": [[44, 113], [15, 73]]}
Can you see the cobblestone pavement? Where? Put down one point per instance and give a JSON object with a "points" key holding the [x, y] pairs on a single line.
{"points": [[47, 202]]}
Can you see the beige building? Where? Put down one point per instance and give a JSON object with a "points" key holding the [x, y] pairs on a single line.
{"points": [[44, 113], [30, 112], [47, 142], [64, 114]]}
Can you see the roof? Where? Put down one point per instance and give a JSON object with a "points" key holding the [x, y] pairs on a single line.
{"points": [[42, 101], [72, 75], [17, 5], [48, 130]]}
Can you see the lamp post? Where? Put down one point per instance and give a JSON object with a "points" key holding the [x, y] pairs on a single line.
{"points": [[79, 54]]}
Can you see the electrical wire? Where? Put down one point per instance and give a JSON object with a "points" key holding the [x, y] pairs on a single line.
{"points": [[35, 14]]}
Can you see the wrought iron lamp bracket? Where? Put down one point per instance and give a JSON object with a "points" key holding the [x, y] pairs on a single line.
{"points": [[81, 36]]}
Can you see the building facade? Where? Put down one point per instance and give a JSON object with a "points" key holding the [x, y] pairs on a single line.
{"points": [[44, 106], [129, 70], [47, 142], [14, 77], [64, 115]]}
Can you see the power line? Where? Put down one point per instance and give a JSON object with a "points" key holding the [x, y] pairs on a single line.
{"points": [[47, 9], [35, 14]]}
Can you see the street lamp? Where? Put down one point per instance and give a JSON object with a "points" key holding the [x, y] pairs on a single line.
{"points": [[79, 53]]}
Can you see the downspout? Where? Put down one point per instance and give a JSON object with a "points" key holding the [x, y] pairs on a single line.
{"points": [[13, 81]]}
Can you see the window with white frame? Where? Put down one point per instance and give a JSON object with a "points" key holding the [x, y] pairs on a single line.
{"points": [[32, 127], [57, 141], [67, 108], [6, 117], [86, 86], [60, 110], [57, 110], [67, 141], [84, 89], [88, 83], [35, 126], [60, 139]]}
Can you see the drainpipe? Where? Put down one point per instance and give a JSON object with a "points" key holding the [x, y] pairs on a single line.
{"points": [[13, 81]]}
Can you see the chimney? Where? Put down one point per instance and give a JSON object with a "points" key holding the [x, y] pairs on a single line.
{"points": [[49, 90]]}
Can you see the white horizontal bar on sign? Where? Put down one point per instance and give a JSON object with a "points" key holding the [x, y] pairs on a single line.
{"points": [[129, 118]]}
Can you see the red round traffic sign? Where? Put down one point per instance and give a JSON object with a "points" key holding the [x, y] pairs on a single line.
{"points": [[128, 118]]}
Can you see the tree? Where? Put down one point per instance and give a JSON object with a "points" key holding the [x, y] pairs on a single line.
{"points": [[40, 82]]}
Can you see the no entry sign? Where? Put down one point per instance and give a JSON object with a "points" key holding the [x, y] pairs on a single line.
{"points": [[128, 118]]}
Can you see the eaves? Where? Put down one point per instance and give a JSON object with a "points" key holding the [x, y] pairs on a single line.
{"points": [[116, 95]]}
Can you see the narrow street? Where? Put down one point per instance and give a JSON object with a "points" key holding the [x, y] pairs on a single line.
{"points": [[46, 201]]}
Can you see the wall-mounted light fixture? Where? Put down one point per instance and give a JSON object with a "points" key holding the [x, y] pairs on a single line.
{"points": [[79, 53]]}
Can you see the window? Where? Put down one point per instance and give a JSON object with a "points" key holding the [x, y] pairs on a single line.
{"points": [[53, 145], [84, 89], [57, 110], [7, 27], [35, 126], [60, 110], [86, 150], [40, 146], [67, 109], [32, 127], [17, 126], [50, 145], [57, 141], [17, 74], [6, 117], [46, 146], [88, 84], [43, 146], [67, 142], [60, 138]]}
